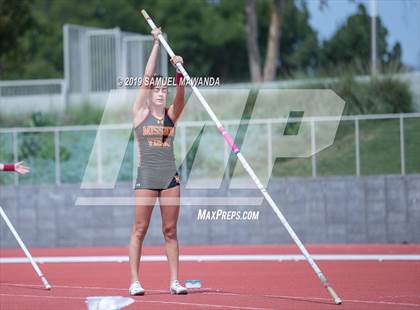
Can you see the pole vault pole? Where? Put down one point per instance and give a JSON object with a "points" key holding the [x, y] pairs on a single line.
{"points": [[235, 149], [25, 250]]}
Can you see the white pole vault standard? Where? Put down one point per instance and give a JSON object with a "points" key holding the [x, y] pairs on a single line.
{"points": [[248, 168], [22, 245]]}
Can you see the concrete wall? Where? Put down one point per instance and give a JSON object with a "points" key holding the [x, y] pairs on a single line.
{"points": [[374, 209]]}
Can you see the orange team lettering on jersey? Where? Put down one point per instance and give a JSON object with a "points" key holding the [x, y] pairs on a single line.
{"points": [[158, 130]]}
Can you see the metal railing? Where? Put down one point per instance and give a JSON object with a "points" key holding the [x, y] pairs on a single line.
{"points": [[183, 127]]}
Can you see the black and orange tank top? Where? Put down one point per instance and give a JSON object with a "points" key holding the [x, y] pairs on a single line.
{"points": [[155, 139]]}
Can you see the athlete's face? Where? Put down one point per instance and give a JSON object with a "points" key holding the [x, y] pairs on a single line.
{"points": [[159, 94]]}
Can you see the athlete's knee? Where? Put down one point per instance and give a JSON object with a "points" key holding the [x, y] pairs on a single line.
{"points": [[139, 231], [169, 232]]}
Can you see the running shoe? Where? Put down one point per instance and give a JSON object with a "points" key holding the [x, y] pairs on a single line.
{"points": [[136, 289], [177, 288]]}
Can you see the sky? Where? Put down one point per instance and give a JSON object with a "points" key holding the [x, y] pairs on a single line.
{"points": [[401, 18]]}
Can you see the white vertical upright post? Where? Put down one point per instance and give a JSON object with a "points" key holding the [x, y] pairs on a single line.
{"points": [[99, 156], [402, 145], [63, 94], [57, 157], [313, 148], [124, 60], [85, 83], [15, 153], [373, 36], [100, 70], [269, 149], [108, 76], [102, 41], [357, 143], [118, 58], [66, 53]]}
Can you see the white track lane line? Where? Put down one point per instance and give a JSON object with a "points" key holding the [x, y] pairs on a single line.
{"points": [[141, 301], [417, 306], [210, 291], [346, 300], [399, 296], [215, 258], [92, 287], [298, 298], [204, 305]]}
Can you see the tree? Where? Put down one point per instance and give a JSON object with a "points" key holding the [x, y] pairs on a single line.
{"points": [[351, 43], [291, 44], [299, 47], [210, 36], [254, 58], [274, 34], [15, 20]]}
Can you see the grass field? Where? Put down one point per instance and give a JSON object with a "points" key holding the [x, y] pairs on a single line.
{"points": [[379, 151]]}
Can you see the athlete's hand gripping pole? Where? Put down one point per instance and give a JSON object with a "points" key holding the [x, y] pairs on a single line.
{"points": [[235, 149], [165, 44]]}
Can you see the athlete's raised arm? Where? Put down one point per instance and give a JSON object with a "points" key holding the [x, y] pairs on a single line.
{"points": [[177, 105], [140, 105]]}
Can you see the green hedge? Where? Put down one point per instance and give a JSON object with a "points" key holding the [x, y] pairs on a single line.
{"points": [[376, 96]]}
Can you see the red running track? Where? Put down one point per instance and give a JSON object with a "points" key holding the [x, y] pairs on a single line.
{"points": [[226, 285]]}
